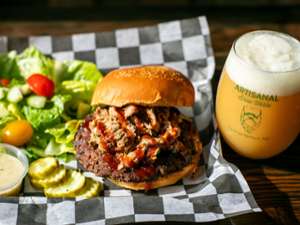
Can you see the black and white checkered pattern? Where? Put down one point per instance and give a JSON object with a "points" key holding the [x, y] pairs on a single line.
{"points": [[218, 192]]}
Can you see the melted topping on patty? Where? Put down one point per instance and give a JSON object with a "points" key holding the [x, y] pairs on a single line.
{"points": [[136, 143]]}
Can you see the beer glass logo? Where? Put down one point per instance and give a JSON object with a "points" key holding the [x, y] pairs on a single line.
{"points": [[250, 118]]}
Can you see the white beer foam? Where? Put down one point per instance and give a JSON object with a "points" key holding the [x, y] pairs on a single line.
{"points": [[267, 62]]}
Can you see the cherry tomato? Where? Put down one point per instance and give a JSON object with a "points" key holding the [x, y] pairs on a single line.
{"points": [[41, 85], [17, 133], [4, 82]]}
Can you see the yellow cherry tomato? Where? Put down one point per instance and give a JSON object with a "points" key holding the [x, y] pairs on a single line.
{"points": [[17, 133]]}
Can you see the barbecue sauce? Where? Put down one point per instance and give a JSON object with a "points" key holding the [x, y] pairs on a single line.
{"points": [[128, 162], [105, 137], [109, 159], [152, 151], [147, 186], [145, 172], [138, 124], [139, 154], [123, 122], [101, 130], [86, 124]]}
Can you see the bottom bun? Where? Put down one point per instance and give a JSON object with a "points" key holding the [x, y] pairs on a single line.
{"points": [[169, 179], [160, 182]]}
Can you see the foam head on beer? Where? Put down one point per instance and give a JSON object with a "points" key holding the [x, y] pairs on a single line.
{"points": [[273, 63]]}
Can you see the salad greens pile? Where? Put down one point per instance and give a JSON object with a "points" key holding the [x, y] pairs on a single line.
{"points": [[54, 120]]}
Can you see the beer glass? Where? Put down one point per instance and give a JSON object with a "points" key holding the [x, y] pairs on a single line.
{"points": [[258, 95]]}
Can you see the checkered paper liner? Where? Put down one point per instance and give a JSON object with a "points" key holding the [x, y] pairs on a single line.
{"points": [[219, 191]]}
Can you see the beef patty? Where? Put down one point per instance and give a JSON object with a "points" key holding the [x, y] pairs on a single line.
{"points": [[135, 143]]}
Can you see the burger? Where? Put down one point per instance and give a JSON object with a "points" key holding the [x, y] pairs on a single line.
{"points": [[136, 137]]}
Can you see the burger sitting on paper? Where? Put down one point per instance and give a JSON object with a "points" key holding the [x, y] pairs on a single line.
{"points": [[136, 137]]}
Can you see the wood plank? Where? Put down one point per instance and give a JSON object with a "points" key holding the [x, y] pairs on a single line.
{"points": [[275, 182], [23, 29]]}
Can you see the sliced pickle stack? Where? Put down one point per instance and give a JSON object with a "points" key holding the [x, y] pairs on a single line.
{"points": [[59, 182]]}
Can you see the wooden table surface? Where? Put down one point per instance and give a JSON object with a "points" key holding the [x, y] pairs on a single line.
{"points": [[274, 182]]}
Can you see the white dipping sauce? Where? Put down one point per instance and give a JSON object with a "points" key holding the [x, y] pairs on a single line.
{"points": [[11, 172]]}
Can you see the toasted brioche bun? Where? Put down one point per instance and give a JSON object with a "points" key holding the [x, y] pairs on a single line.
{"points": [[144, 85], [170, 178]]}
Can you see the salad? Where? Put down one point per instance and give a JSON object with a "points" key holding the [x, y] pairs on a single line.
{"points": [[42, 101]]}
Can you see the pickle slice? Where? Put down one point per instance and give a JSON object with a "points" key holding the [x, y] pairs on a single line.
{"points": [[90, 189], [40, 168], [74, 181], [57, 176]]}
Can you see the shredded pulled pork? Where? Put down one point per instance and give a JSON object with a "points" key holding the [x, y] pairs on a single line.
{"points": [[137, 143]]}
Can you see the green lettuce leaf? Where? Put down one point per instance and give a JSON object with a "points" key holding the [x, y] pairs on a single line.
{"points": [[55, 141], [42, 119], [31, 61], [9, 112], [64, 152], [40, 140], [16, 82], [81, 81], [61, 72], [8, 66], [33, 153], [36, 148], [60, 101], [54, 149], [63, 136], [5, 120], [83, 71], [3, 109], [66, 157], [15, 111], [65, 132]]}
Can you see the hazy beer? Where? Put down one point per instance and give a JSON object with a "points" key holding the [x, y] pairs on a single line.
{"points": [[258, 97]]}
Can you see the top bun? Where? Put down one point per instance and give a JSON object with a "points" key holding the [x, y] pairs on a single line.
{"points": [[144, 85]]}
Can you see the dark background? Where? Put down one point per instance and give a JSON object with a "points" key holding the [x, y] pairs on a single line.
{"points": [[275, 182], [229, 10]]}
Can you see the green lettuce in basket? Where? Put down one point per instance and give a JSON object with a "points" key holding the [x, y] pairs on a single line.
{"points": [[54, 120]]}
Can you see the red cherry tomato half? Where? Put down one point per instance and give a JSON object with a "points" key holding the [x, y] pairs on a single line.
{"points": [[4, 82], [41, 85]]}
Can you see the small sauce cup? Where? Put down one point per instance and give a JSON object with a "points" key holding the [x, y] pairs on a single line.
{"points": [[15, 175]]}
